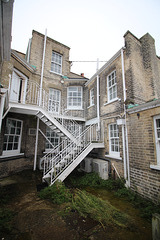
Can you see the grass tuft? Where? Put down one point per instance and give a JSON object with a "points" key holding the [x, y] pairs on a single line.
{"points": [[101, 211], [57, 193]]}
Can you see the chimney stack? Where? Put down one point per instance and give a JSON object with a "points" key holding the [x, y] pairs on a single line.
{"points": [[82, 74]]}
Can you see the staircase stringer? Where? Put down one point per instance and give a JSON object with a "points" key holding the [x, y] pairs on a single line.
{"points": [[76, 162], [57, 124]]}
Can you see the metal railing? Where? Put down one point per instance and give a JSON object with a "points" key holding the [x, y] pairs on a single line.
{"points": [[50, 105], [70, 152]]}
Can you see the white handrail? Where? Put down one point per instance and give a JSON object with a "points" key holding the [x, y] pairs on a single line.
{"points": [[71, 151], [33, 97]]}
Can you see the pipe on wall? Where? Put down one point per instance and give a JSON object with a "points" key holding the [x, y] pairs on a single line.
{"points": [[124, 130]]}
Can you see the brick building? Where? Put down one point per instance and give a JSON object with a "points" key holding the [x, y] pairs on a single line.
{"points": [[57, 118], [129, 111]]}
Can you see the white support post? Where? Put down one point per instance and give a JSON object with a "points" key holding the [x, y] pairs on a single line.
{"points": [[124, 152], [36, 145], [98, 112], [2, 101]]}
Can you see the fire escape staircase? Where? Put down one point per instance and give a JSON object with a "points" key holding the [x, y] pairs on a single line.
{"points": [[63, 159], [69, 154], [55, 124]]}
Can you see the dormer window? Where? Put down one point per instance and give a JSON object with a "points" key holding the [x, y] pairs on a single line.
{"points": [[56, 63]]}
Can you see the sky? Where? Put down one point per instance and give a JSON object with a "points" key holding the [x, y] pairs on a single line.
{"points": [[93, 29]]}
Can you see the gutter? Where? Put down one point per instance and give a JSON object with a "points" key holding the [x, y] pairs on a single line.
{"points": [[22, 61], [144, 106]]}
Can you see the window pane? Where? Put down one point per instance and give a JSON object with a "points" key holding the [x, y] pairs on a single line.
{"points": [[74, 96], [12, 135], [112, 87], [56, 62], [114, 138]]}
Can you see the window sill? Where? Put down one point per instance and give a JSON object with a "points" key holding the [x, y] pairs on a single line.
{"points": [[113, 157], [60, 74], [107, 103], [11, 155], [90, 106], [80, 109], [155, 167]]}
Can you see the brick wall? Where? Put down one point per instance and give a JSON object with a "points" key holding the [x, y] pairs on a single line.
{"points": [[141, 68], [91, 111], [142, 153]]}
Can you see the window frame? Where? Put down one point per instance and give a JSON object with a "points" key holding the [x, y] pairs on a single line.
{"points": [[91, 96], [56, 63], [12, 135], [113, 139], [109, 88], [49, 132], [74, 107], [157, 139], [57, 102]]}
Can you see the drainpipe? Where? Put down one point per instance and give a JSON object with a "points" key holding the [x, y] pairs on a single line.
{"points": [[44, 49], [125, 135], [98, 112]]}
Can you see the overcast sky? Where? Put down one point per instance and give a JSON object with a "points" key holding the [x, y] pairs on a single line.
{"points": [[91, 28]]}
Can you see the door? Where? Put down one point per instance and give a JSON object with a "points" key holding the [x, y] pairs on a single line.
{"points": [[15, 88], [54, 100], [157, 137]]}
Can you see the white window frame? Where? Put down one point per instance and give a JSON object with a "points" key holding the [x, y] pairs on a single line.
{"points": [[12, 135], [54, 103], [71, 95], [111, 86], [157, 138], [114, 140], [92, 97], [51, 135], [56, 63], [18, 82]]}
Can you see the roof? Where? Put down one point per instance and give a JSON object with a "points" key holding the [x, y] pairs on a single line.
{"points": [[16, 56], [48, 38], [145, 106], [75, 76]]}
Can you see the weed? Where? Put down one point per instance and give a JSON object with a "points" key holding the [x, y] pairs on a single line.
{"points": [[5, 219], [93, 180], [57, 193], [101, 211], [146, 207]]}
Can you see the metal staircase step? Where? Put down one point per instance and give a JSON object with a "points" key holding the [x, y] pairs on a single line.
{"points": [[49, 124], [53, 127]]}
